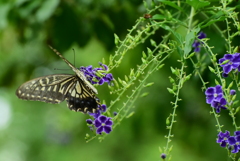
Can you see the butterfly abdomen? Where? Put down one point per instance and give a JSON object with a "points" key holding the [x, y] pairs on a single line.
{"points": [[84, 105]]}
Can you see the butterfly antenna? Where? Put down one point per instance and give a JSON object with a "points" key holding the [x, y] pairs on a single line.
{"points": [[73, 67], [73, 57]]}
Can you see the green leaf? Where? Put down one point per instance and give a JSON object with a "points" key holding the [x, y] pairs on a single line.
{"points": [[149, 84], [144, 94], [171, 91], [211, 69], [169, 3], [189, 39], [196, 4], [158, 17], [4, 9], [46, 10], [219, 16], [177, 35]]}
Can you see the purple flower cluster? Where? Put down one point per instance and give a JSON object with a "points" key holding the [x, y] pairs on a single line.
{"points": [[197, 45], [97, 75], [233, 142], [230, 62], [102, 123], [214, 96]]}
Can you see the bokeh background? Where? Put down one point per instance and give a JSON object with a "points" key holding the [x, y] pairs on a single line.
{"points": [[36, 131]]}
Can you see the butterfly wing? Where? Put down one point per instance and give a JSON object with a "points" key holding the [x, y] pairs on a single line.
{"points": [[57, 88], [81, 98]]}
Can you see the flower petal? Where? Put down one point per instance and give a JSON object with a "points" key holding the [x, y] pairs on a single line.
{"points": [[218, 89], [109, 122], [232, 140], [97, 123], [210, 91], [100, 130], [102, 119], [107, 129], [235, 149]]}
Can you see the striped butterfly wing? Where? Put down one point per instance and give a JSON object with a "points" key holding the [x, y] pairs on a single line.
{"points": [[57, 88]]}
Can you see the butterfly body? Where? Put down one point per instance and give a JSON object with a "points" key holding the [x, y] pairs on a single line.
{"points": [[75, 89]]}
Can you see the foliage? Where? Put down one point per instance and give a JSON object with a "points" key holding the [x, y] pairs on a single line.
{"points": [[162, 67]]}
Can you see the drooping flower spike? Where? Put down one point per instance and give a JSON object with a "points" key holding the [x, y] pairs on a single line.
{"points": [[99, 76]]}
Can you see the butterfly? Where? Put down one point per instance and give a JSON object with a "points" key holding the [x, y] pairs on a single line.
{"points": [[75, 89]]}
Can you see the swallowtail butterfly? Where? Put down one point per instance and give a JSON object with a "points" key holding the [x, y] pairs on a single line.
{"points": [[75, 89]]}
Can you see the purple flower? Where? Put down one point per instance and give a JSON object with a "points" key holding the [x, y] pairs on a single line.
{"points": [[236, 148], [163, 155], [237, 138], [224, 75], [237, 133], [214, 94], [218, 105], [115, 113], [197, 43], [230, 62], [89, 121], [223, 138], [232, 141], [103, 124], [202, 35], [97, 75], [232, 92], [103, 108]]}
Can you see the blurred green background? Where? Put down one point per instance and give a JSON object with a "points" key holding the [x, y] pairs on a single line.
{"points": [[36, 131]]}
